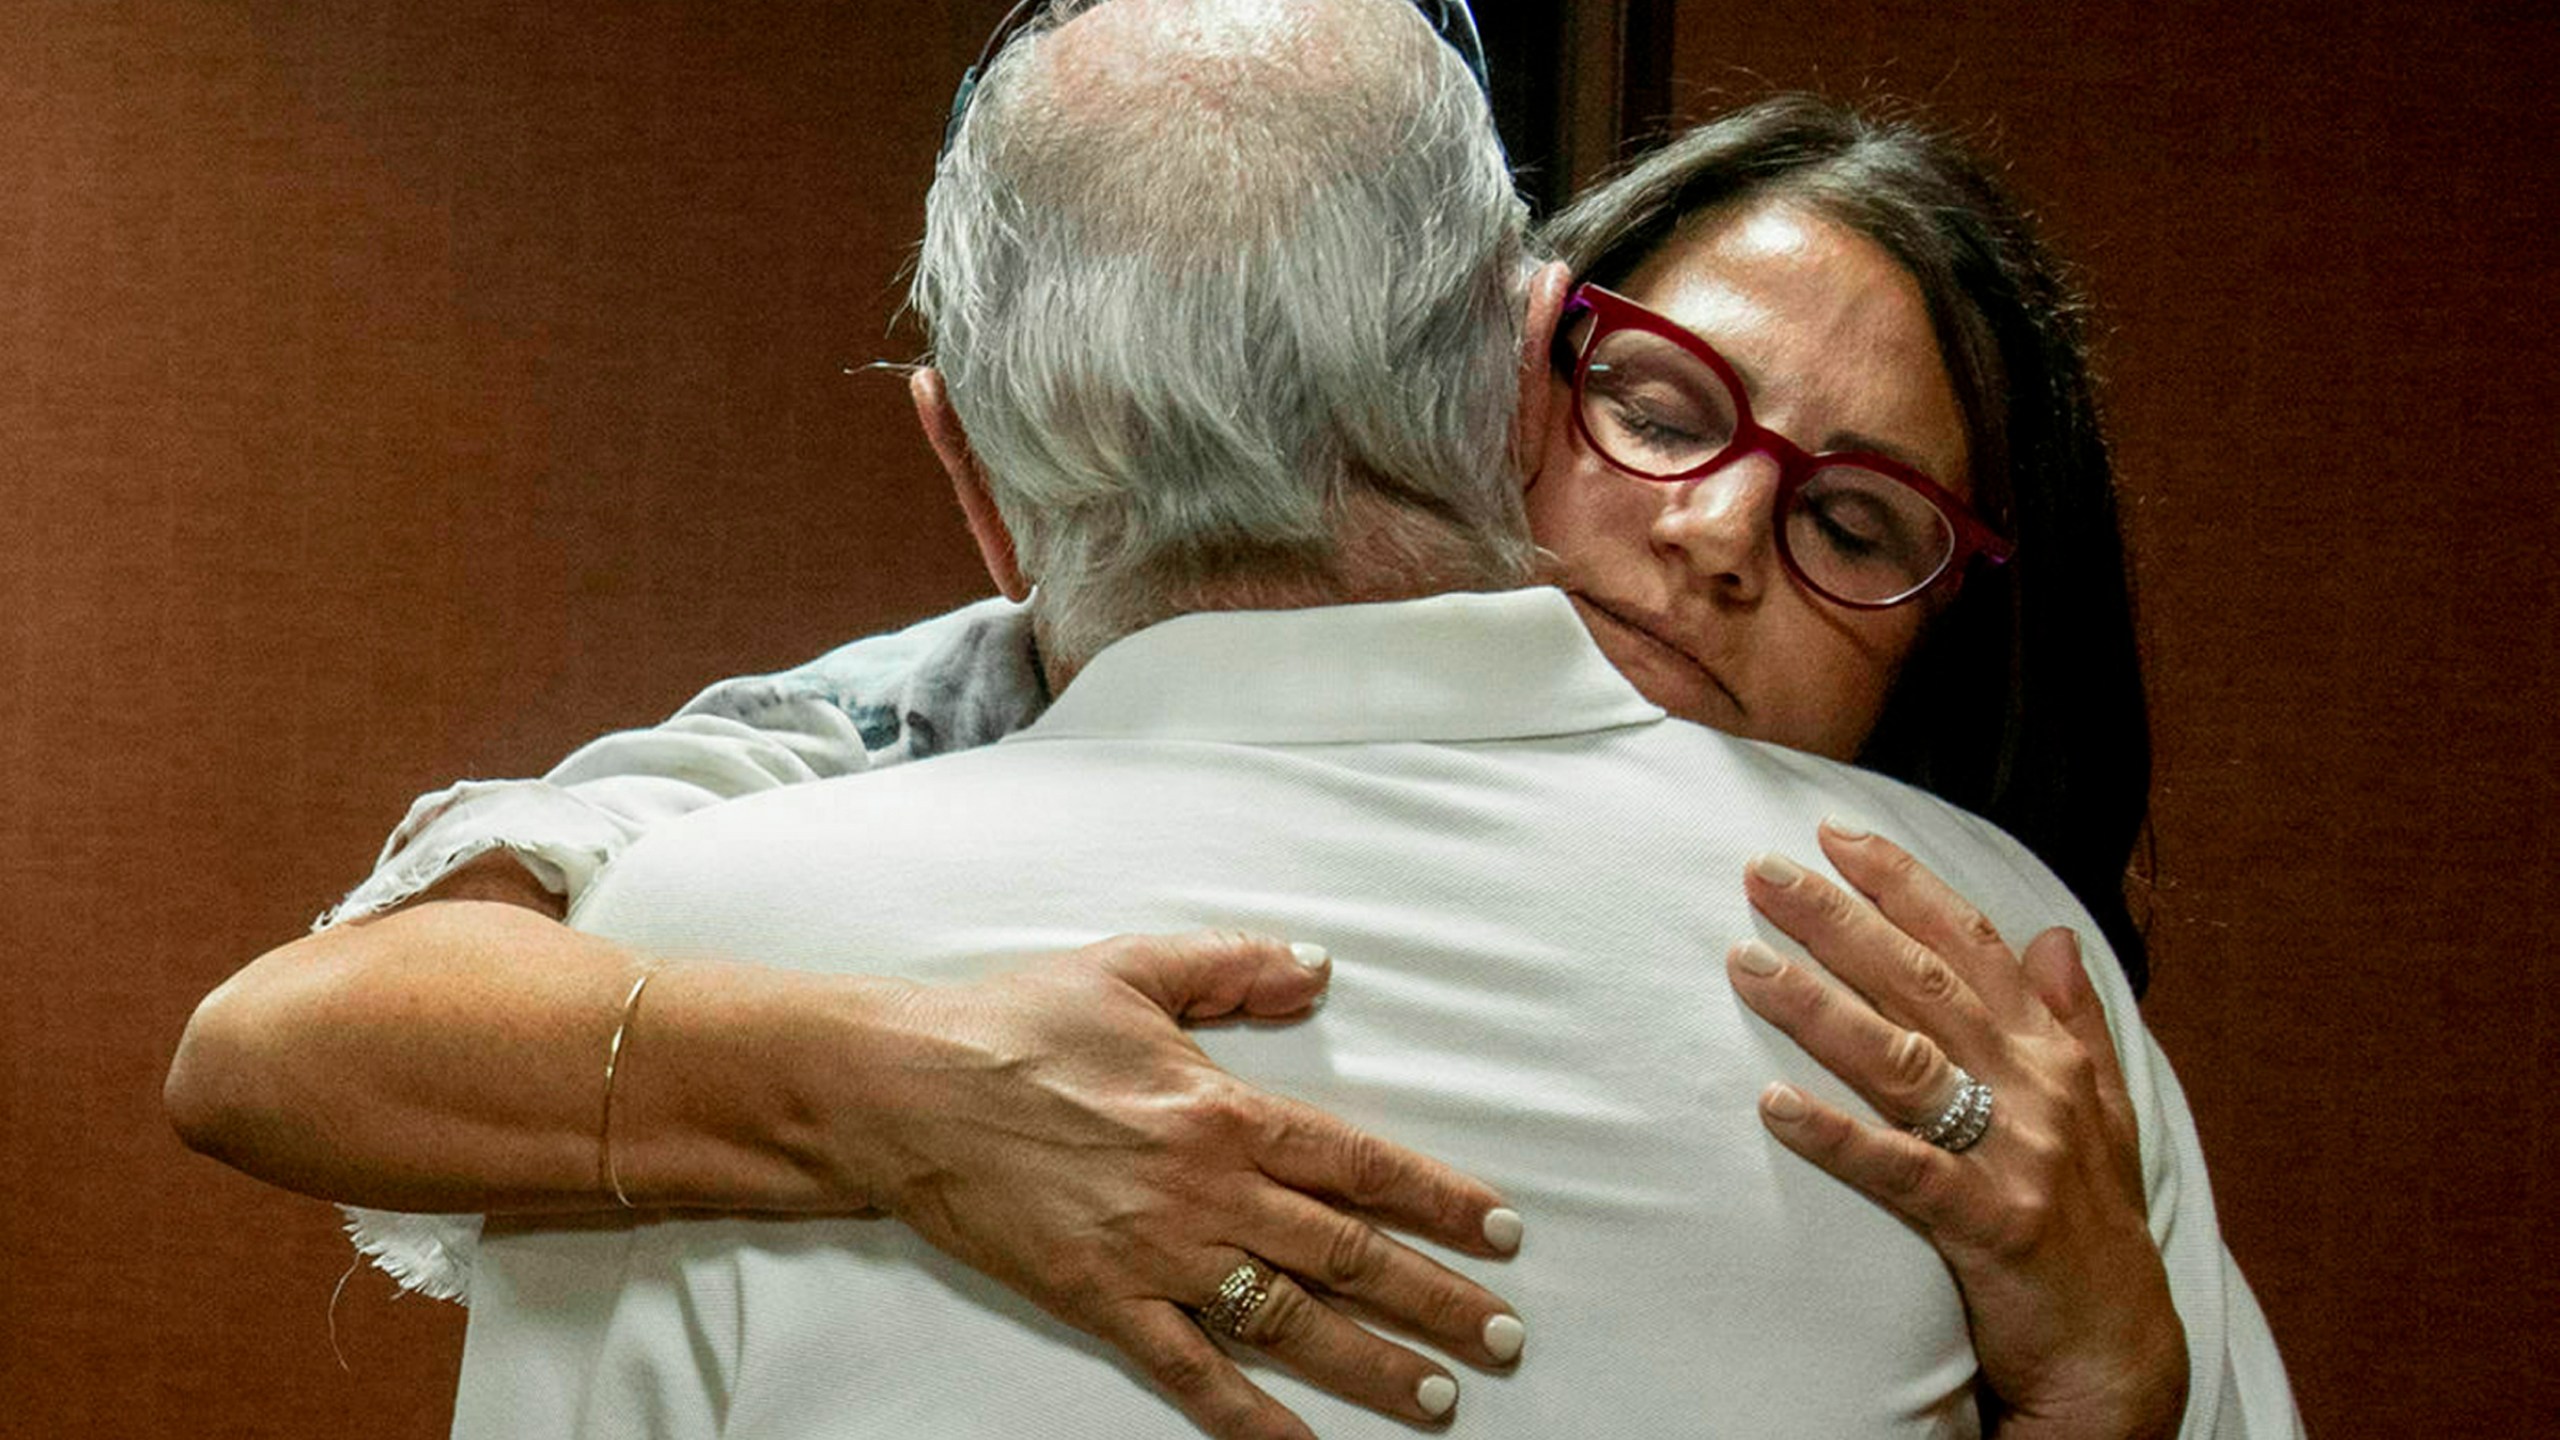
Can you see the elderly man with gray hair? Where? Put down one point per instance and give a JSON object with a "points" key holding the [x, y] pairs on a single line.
{"points": [[1234, 337]]}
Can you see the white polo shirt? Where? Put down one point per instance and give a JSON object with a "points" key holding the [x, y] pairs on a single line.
{"points": [[1528, 879]]}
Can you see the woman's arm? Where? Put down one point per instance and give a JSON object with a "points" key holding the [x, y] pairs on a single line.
{"points": [[449, 1053], [1054, 1128], [2044, 1222]]}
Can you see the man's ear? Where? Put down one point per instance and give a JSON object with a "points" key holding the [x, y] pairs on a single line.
{"points": [[1539, 407], [951, 446]]}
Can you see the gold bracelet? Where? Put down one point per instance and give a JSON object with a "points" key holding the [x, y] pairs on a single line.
{"points": [[606, 1170]]}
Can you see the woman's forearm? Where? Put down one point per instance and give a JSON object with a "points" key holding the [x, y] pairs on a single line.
{"points": [[451, 1056], [1053, 1128]]}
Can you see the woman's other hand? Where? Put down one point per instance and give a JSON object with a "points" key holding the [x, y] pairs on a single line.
{"points": [[2043, 1221], [1081, 1149]]}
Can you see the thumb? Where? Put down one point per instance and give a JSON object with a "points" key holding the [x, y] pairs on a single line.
{"points": [[1204, 974]]}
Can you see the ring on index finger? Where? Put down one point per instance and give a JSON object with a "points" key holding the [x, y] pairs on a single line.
{"points": [[1238, 1297], [1966, 1119]]}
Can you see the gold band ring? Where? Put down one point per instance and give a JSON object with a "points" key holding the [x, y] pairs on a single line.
{"points": [[1239, 1296]]}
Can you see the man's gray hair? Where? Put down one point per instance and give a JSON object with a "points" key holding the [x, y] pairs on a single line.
{"points": [[1223, 306]]}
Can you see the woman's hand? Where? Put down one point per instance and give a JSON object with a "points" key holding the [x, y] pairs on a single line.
{"points": [[2043, 1221], [1054, 1128], [1078, 1147]]}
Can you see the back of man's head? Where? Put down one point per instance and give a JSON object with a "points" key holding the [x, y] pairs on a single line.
{"points": [[1227, 295]]}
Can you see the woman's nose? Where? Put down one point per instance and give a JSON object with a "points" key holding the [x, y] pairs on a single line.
{"points": [[1720, 527]]}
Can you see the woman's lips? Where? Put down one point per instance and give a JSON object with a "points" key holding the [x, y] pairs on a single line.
{"points": [[1655, 634]]}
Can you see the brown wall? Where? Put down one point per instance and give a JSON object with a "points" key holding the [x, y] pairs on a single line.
{"points": [[396, 392]]}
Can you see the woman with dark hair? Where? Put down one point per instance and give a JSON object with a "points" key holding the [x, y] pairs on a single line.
{"points": [[1926, 579], [1834, 479], [2022, 700]]}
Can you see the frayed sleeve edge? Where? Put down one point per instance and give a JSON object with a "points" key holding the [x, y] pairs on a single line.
{"points": [[428, 1255]]}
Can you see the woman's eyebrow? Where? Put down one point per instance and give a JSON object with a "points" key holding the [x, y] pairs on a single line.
{"points": [[1861, 441]]}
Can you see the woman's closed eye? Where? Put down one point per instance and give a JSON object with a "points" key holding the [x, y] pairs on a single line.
{"points": [[1657, 416], [1850, 523], [1652, 426], [1856, 525]]}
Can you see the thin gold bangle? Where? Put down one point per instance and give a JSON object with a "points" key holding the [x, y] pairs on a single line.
{"points": [[607, 1171]]}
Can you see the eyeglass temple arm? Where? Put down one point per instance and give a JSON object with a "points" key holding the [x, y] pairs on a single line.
{"points": [[1457, 25], [1013, 20]]}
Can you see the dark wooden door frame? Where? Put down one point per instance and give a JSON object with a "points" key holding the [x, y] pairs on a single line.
{"points": [[1575, 83]]}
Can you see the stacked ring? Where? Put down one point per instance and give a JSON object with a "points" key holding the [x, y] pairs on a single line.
{"points": [[1239, 1296], [1965, 1120]]}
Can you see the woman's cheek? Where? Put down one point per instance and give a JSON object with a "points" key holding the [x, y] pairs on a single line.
{"points": [[1821, 686], [1596, 524]]}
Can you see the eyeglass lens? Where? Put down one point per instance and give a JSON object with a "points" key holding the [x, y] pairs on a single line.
{"points": [[1853, 533]]}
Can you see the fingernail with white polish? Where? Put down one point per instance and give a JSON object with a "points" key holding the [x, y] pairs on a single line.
{"points": [[1502, 1228], [1435, 1395], [1503, 1336], [1777, 869], [1783, 1102], [1757, 958], [1845, 827], [1314, 957]]}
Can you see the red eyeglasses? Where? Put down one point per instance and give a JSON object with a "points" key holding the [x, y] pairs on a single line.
{"points": [[1858, 529]]}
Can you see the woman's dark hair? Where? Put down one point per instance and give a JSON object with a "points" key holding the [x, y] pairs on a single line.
{"points": [[2023, 701]]}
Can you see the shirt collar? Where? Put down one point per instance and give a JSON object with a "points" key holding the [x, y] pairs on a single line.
{"points": [[1466, 666]]}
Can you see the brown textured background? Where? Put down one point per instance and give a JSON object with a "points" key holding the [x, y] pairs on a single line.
{"points": [[395, 392]]}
